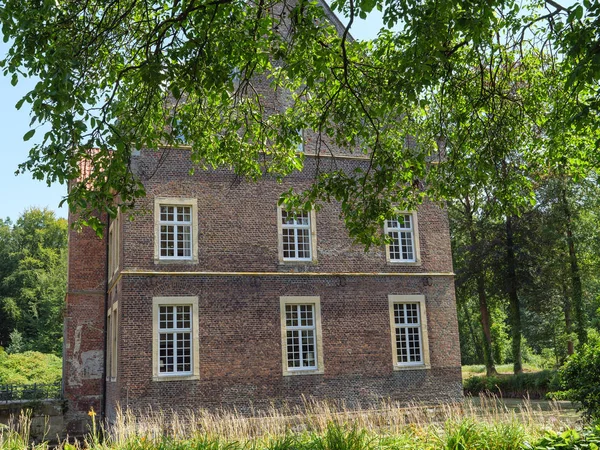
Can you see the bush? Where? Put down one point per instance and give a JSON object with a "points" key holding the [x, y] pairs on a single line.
{"points": [[29, 367], [532, 385], [568, 440], [579, 379]]}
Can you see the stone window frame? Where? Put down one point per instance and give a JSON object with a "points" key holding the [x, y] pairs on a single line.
{"points": [[157, 302], [115, 341], [112, 341], [109, 334], [300, 146], [176, 201], [114, 242], [420, 301], [313, 239], [415, 241], [302, 300]]}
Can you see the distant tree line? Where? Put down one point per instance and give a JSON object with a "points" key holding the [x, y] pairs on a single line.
{"points": [[33, 272], [528, 286]]}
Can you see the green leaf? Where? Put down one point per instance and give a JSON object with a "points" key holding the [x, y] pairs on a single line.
{"points": [[29, 135]]}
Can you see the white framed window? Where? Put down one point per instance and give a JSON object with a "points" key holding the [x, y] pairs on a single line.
{"points": [[408, 321], [301, 338], [300, 148], [403, 234], [114, 244], [112, 339], [109, 347], [297, 235], [175, 338], [175, 230]]}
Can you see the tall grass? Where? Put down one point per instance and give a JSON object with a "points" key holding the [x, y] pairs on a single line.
{"points": [[324, 426]]}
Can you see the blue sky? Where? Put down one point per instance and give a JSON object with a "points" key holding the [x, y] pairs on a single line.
{"points": [[21, 192]]}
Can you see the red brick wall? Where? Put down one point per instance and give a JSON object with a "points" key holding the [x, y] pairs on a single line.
{"points": [[239, 317], [238, 224], [84, 328], [240, 341]]}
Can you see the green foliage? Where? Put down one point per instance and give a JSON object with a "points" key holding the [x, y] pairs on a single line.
{"points": [[343, 438], [568, 440], [580, 378], [16, 342], [29, 367], [470, 434], [531, 385], [33, 284], [202, 78]]}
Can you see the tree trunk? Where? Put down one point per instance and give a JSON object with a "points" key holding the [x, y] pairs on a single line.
{"points": [[513, 297], [472, 331], [568, 320], [575, 275], [484, 312], [486, 324]]}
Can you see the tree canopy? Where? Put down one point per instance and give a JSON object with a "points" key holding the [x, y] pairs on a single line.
{"points": [[119, 76], [33, 276]]}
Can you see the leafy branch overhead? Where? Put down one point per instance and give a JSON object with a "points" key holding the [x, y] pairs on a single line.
{"points": [[117, 76]]}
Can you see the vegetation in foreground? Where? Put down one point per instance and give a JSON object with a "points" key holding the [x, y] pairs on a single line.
{"points": [[321, 426]]}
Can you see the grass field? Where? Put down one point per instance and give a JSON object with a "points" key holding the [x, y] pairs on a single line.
{"points": [[504, 369]]}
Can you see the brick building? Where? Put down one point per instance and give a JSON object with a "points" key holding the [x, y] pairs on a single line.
{"points": [[213, 297]]}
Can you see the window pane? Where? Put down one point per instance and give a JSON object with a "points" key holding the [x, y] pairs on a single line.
{"points": [[166, 317], [293, 348], [184, 317], [166, 353], [408, 333], [175, 339], [405, 221], [308, 348], [175, 231], [184, 358], [300, 336], [296, 235], [400, 231], [167, 213]]}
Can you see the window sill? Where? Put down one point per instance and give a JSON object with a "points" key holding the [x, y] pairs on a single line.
{"points": [[289, 373], [415, 367], [176, 378], [405, 263], [175, 261], [311, 262]]}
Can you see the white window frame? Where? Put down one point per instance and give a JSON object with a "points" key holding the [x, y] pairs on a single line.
{"points": [[419, 300], [112, 346], [315, 302], [311, 227], [194, 373], [414, 230], [114, 244], [109, 346], [300, 147], [177, 202]]}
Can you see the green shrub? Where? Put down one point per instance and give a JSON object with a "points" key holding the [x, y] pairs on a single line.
{"points": [[29, 367], [568, 440], [532, 385], [579, 379], [473, 434]]}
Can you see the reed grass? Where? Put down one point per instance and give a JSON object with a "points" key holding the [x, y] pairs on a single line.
{"points": [[320, 425]]}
